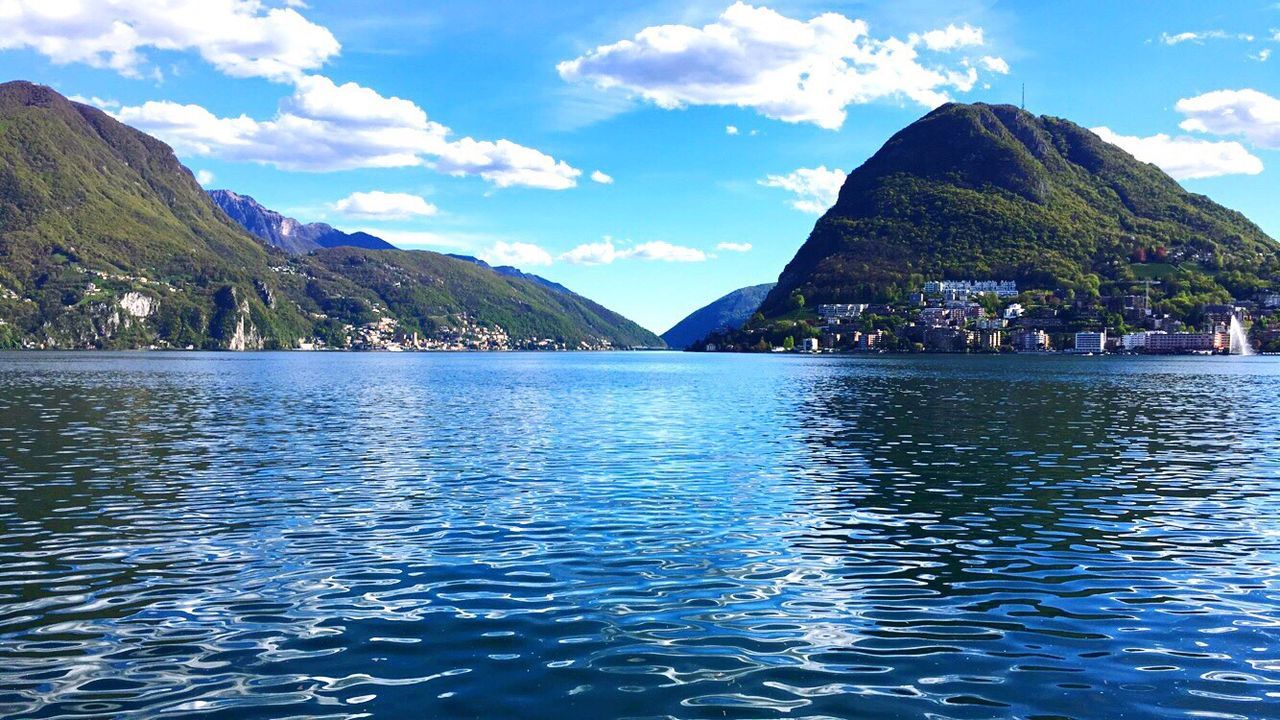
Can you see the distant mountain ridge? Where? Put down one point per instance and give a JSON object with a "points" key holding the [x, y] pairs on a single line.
{"points": [[726, 313], [286, 233], [510, 271]]}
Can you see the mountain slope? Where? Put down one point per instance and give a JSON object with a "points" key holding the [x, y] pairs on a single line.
{"points": [[106, 240], [726, 313], [285, 232], [104, 234], [428, 291], [994, 192]]}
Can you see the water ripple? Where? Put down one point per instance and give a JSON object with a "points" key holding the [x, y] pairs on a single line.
{"points": [[638, 535]]}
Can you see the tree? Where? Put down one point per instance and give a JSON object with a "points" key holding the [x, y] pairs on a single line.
{"points": [[797, 300], [789, 343]]}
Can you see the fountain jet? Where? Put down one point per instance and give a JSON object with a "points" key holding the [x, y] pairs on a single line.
{"points": [[1239, 341]]}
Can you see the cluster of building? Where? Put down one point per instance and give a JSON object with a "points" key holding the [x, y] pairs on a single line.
{"points": [[386, 335], [949, 317]]}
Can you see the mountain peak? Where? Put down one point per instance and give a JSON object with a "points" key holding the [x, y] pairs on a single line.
{"points": [[285, 232], [995, 192]]}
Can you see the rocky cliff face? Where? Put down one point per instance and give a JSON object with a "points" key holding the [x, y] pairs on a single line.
{"points": [[287, 233]]}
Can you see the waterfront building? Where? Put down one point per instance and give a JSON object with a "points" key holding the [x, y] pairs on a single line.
{"points": [[809, 345], [1031, 341], [947, 339], [1134, 342], [990, 339], [1169, 343], [1091, 342]]}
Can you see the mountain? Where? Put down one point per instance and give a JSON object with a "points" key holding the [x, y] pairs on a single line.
{"points": [[994, 192], [285, 232], [516, 273], [107, 240], [430, 291], [727, 313]]}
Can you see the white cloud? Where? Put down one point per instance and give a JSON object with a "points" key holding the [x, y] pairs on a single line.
{"points": [[204, 177], [994, 64], [378, 205], [665, 251], [1200, 37], [730, 130], [605, 252], [1186, 158], [324, 127], [734, 247], [601, 253], [519, 254], [786, 69], [601, 178], [952, 37], [816, 189], [241, 38], [1250, 114], [1263, 55], [95, 101]]}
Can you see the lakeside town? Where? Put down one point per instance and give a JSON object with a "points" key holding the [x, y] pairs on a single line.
{"points": [[994, 316]]}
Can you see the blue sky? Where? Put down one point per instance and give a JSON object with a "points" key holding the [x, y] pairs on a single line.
{"points": [[718, 129]]}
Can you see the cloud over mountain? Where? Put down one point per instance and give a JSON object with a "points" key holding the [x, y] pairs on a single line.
{"points": [[784, 68], [379, 205], [606, 252], [324, 126], [1186, 158], [1246, 113], [815, 189]]}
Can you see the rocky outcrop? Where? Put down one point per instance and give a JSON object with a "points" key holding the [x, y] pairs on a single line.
{"points": [[137, 305]]}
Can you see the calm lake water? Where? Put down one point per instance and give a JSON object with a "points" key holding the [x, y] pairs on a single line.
{"points": [[638, 535]]}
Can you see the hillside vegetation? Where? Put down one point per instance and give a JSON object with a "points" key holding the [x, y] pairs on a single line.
{"points": [[993, 192], [107, 241]]}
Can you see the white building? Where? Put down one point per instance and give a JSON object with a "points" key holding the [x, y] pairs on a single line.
{"points": [[962, 288], [809, 345], [1013, 312], [1091, 342], [841, 311], [1138, 340]]}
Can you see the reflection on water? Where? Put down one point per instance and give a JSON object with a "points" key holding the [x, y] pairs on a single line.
{"points": [[638, 535]]}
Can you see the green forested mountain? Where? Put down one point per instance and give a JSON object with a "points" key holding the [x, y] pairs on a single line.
{"points": [[106, 240], [725, 313], [993, 192], [429, 290]]}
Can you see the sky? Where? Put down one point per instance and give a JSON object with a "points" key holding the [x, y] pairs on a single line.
{"points": [[651, 155]]}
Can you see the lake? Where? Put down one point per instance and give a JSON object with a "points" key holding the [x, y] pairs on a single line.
{"points": [[638, 535]]}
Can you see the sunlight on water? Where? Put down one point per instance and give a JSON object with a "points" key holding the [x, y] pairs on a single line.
{"points": [[638, 535]]}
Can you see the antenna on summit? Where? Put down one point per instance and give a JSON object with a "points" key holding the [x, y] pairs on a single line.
{"points": [[1024, 96]]}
